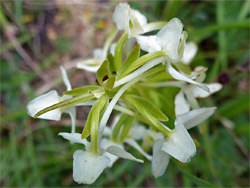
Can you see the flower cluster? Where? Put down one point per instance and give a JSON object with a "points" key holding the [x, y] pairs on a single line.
{"points": [[131, 84]]}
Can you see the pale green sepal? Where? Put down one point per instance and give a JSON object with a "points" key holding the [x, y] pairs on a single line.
{"points": [[134, 55], [82, 90], [103, 72], [118, 51], [110, 82], [122, 153], [126, 127]]}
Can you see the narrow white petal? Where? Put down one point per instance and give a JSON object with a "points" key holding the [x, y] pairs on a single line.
{"points": [[190, 51], [72, 112], [160, 159], [137, 132], [194, 117], [135, 145], [180, 144], [105, 143], [107, 131], [213, 87], [88, 167], [169, 37], [75, 138], [121, 16], [90, 68], [179, 76], [122, 153], [181, 104], [44, 101], [148, 43], [140, 17], [65, 79]]}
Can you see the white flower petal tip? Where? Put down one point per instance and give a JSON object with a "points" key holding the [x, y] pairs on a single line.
{"points": [[88, 167], [142, 20], [74, 137], [89, 65], [122, 153], [194, 117], [105, 143], [180, 144], [160, 159], [44, 101], [179, 76], [135, 145], [213, 87], [181, 104], [169, 37], [121, 16], [65, 78], [190, 51], [137, 132], [148, 43]]}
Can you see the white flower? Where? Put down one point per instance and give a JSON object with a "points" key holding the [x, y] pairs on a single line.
{"points": [[179, 144], [51, 98], [129, 19], [88, 166]]}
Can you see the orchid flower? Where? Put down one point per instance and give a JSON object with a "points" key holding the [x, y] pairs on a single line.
{"points": [[171, 39], [50, 98], [129, 19], [87, 166], [179, 143]]}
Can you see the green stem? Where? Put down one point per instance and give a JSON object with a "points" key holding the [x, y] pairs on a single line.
{"points": [[108, 42], [118, 51]]}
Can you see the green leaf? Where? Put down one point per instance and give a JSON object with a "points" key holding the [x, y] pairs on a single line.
{"points": [[95, 115], [103, 72], [134, 55], [63, 104], [139, 62], [194, 179], [145, 107], [118, 126], [82, 90], [118, 51]]}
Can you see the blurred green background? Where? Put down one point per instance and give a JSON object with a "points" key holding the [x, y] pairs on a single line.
{"points": [[38, 36]]}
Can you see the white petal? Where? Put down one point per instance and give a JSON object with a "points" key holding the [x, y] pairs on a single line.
{"points": [[88, 167], [112, 49], [71, 110], [105, 143], [122, 153], [135, 145], [107, 131], [169, 37], [97, 53], [140, 17], [180, 144], [213, 87], [148, 43], [181, 104], [137, 132], [44, 101], [179, 76], [194, 117], [190, 51], [121, 16], [150, 137], [160, 159], [90, 68], [75, 138], [65, 79]]}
